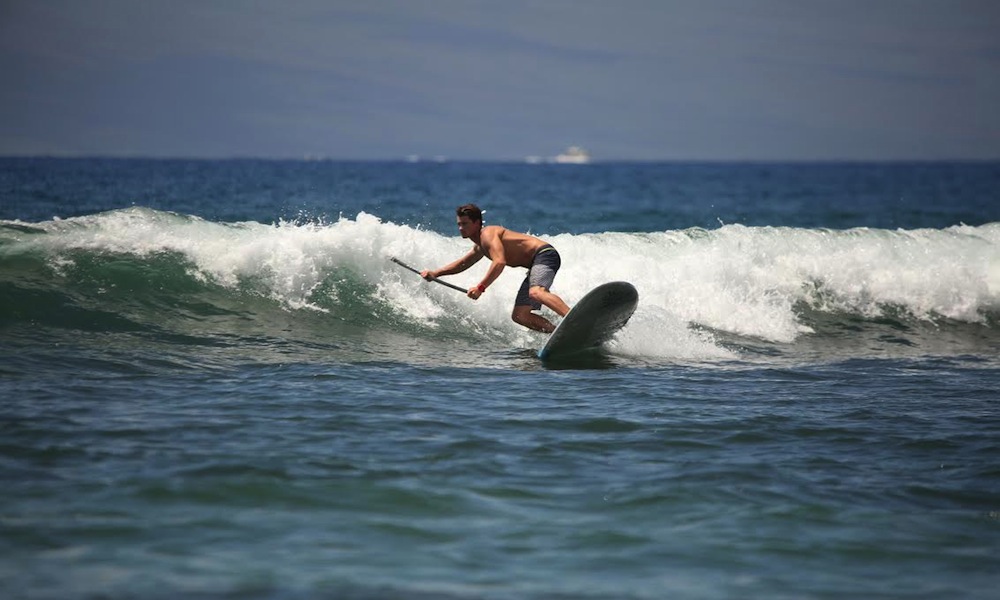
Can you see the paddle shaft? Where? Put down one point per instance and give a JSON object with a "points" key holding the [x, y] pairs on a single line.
{"points": [[434, 279]]}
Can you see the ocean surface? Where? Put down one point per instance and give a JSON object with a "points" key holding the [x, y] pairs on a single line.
{"points": [[215, 384]]}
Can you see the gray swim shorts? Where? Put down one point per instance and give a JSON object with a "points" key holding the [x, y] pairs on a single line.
{"points": [[542, 272]]}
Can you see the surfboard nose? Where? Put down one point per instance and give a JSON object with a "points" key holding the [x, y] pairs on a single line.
{"points": [[595, 319]]}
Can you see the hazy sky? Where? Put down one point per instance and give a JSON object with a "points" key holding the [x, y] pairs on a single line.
{"points": [[626, 79]]}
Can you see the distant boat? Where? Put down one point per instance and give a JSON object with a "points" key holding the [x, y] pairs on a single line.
{"points": [[416, 158], [574, 155]]}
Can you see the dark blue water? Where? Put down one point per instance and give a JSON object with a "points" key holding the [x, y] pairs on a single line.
{"points": [[214, 383], [597, 198]]}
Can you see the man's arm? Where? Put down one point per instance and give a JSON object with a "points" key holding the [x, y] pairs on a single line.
{"points": [[491, 239], [470, 258]]}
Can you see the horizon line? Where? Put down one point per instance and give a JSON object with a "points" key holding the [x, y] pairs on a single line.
{"points": [[438, 160]]}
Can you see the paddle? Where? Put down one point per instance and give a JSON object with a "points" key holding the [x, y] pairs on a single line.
{"points": [[435, 279]]}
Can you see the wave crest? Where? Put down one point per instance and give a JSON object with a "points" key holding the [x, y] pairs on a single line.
{"points": [[769, 283]]}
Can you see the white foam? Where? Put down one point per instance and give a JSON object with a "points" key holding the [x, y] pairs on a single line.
{"points": [[742, 280]]}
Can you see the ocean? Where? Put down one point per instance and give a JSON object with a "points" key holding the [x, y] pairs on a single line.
{"points": [[216, 384]]}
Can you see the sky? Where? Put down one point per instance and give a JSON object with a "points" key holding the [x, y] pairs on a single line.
{"points": [[502, 80]]}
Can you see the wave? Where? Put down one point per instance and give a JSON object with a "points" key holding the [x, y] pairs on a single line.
{"points": [[703, 293]]}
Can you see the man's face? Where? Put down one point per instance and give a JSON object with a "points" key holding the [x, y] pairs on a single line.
{"points": [[467, 227]]}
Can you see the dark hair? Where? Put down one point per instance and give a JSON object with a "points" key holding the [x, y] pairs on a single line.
{"points": [[470, 210]]}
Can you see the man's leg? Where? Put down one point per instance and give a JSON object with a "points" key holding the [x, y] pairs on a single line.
{"points": [[539, 294], [522, 315]]}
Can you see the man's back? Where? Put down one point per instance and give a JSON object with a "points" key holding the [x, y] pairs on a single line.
{"points": [[519, 248]]}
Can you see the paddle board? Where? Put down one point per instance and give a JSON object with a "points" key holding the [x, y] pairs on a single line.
{"points": [[593, 321]]}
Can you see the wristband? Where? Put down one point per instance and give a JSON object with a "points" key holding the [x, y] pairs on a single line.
{"points": [[481, 288]]}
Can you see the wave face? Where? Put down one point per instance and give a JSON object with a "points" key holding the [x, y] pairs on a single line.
{"points": [[726, 293]]}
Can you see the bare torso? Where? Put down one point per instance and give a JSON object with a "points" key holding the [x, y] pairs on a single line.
{"points": [[519, 248]]}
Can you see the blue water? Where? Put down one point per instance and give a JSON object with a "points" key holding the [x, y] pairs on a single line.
{"points": [[215, 384]]}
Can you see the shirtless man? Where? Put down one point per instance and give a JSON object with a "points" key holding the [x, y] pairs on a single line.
{"points": [[504, 248]]}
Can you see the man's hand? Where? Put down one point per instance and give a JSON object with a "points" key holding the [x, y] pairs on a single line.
{"points": [[474, 293], [428, 275]]}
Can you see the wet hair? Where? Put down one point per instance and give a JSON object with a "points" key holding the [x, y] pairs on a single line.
{"points": [[470, 210]]}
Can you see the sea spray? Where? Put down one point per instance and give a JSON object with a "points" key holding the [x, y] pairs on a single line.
{"points": [[756, 282]]}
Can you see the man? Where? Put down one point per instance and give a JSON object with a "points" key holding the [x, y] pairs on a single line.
{"points": [[504, 248]]}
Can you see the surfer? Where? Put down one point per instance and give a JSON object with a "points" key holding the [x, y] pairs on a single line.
{"points": [[508, 248]]}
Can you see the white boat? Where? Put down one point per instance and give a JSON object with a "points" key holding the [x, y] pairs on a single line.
{"points": [[574, 155]]}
